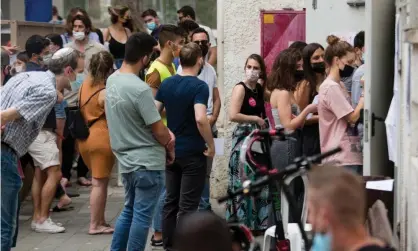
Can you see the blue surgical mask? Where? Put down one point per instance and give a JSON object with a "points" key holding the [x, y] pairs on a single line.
{"points": [[321, 242], [151, 26], [75, 85]]}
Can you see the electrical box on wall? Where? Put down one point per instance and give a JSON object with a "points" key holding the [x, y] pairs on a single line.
{"points": [[356, 3]]}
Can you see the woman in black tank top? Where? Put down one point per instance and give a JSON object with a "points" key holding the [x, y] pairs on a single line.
{"points": [[247, 109], [117, 34]]}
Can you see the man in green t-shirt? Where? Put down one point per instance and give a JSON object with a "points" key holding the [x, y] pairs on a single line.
{"points": [[140, 142]]}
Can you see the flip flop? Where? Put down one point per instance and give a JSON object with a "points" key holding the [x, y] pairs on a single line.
{"points": [[56, 209], [104, 230], [73, 195]]}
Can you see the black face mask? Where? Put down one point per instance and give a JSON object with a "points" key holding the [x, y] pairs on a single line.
{"points": [[318, 67], [205, 50], [299, 75], [346, 71]]}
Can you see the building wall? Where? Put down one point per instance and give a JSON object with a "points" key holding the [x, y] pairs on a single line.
{"points": [[241, 37], [332, 16]]}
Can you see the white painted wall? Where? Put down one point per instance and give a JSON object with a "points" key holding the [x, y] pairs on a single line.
{"points": [[332, 16], [241, 37]]}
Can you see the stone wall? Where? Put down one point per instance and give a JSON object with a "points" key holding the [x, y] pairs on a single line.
{"points": [[241, 37]]}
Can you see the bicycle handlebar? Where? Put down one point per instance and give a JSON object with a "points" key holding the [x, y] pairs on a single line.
{"points": [[299, 162]]}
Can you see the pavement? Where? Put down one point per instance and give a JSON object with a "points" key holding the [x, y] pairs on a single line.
{"points": [[76, 223]]}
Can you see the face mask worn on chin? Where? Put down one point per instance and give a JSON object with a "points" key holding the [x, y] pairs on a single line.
{"points": [[318, 67], [19, 68], [299, 75], [79, 35], [151, 26], [252, 75], [346, 71], [321, 242]]}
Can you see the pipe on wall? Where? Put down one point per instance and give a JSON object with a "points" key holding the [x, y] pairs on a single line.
{"points": [[220, 60]]}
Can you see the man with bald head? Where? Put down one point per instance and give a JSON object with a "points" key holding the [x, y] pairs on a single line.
{"points": [[26, 101], [337, 211]]}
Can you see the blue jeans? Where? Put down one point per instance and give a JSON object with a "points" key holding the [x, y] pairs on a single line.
{"points": [[142, 191], [10, 187], [158, 215], [358, 169]]}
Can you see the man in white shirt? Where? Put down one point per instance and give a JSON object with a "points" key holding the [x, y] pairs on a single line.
{"points": [[187, 12], [207, 74]]}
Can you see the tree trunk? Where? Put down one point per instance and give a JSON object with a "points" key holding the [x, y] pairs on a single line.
{"points": [[136, 11]]}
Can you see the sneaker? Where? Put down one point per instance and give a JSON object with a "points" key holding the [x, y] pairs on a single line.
{"points": [[156, 244], [33, 225], [48, 226]]}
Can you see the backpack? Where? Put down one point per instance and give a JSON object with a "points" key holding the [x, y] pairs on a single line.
{"points": [[78, 128]]}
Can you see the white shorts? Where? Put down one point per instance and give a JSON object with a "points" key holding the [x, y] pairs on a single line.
{"points": [[44, 150]]}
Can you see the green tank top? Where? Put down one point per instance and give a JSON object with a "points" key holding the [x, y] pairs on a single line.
{"points": [[164, 74]]}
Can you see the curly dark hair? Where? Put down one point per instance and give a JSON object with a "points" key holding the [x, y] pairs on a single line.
{"points": [[71, 14], [101, 66], [282, 76]]}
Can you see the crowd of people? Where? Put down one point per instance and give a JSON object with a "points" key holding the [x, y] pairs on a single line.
{"points": [[149, 102]]}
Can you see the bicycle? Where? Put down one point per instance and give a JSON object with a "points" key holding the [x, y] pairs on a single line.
{"points": [[275, 180]]}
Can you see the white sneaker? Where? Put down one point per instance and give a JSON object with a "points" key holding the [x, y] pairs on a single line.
{"points": [[33, 225], [48, 226]]}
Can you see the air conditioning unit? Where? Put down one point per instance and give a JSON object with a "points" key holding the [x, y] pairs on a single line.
{"points": [[356, 3]]}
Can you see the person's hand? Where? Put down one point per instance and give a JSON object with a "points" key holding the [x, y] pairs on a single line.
{"points": [[212, 120], [261, 122], [210, 151], [11, 49], [312, 108], [170, 158], [171, 144]]}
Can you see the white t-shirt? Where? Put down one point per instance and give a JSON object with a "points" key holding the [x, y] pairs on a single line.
{"points": [[208, 75]]}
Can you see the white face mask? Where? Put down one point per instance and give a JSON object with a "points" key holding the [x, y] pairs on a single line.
{"points": [[252, 75], [79, 35], [18, 68]]}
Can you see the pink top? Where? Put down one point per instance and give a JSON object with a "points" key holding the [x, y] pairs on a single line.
{"points": [[334, 105]]}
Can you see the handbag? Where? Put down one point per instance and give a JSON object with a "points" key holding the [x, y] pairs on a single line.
{"points": [[78, 128]]}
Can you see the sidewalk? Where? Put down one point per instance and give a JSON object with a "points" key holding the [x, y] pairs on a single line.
{"points": [[76, 223]]}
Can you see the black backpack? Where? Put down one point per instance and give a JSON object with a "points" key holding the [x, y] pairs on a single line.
{"points": [[78, 127]]}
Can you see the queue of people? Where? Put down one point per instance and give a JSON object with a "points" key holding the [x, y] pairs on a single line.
{"points": [[150, 103]]}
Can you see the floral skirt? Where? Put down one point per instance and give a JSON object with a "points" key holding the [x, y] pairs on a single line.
{"points": [[253, 212]]}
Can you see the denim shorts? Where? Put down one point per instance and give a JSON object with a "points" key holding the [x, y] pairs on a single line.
{"points": [[60, 110]]}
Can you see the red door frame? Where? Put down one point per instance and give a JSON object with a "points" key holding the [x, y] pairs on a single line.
{"points": [[262, 12]]}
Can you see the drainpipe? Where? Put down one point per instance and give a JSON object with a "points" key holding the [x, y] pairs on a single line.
{"points": [[221, 59]]}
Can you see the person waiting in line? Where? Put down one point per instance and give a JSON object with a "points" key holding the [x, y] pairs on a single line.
{"points": [[185, 99], [337, 203], [337, 118], [356, 61], [247, 109], [188, 13], [140, 141], [56, 18], [305, 93], [94, 34], [95, 150], [118, 32], [298, 45], [287, 113], [82, 27], [152, 21], [20, 64], [23, 120], [189, 26], [208, 75], [171, 41]]}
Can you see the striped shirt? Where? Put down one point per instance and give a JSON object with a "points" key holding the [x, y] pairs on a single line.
{"points": [[33, 94]]}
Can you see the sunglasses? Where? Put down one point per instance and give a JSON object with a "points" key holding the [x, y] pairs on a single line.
{"points": [[201, 42]]}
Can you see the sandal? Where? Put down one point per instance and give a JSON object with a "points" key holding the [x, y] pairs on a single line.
{"points": [[84, 182], [56, 209], [103, 230]]}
